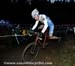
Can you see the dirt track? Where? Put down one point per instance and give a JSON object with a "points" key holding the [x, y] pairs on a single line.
{"points": [[57, 53]]}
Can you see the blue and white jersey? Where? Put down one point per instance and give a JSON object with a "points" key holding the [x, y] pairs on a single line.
{"points": [[45, 20]]}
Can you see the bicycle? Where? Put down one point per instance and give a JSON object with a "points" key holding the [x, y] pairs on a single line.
{"points": [[31, 51]]}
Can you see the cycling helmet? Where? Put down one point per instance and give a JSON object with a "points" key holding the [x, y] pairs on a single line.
{"points": [[34, 13]]}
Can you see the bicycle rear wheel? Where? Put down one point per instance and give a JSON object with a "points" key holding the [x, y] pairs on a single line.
{"points": [[30, 52]]}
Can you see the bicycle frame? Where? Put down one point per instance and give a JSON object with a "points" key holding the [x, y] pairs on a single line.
{"points": [[37, 40]]}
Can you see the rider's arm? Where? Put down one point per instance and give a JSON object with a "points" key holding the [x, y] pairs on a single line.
{"points": [[45, 25], [35, 25]]}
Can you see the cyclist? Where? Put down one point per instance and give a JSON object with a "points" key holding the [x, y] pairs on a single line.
{"points": [[45, 20]]}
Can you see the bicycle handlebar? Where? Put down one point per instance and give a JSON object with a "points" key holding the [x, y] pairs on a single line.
{"points": [[33, 33]]}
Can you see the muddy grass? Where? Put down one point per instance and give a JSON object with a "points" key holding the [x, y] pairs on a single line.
{"points": [[57, 53], [62, 53]]}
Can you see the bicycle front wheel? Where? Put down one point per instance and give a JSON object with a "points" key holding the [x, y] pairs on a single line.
{"points": [[30, 52]]}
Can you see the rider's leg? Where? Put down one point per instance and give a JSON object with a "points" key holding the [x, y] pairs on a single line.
{"points": [[51, 33], [51, 30], [53, 37]]}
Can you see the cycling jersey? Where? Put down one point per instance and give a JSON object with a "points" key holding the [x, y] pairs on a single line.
{"points": [[47, 23]]}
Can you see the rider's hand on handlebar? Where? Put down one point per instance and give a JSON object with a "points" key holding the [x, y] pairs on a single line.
{"points": [[31, 32]]}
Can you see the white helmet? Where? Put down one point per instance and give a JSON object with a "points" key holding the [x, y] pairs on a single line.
{"points": [[34, 13]]}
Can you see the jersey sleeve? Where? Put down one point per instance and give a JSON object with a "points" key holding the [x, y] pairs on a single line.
{"points": [[35, 25], [45, 24]]}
